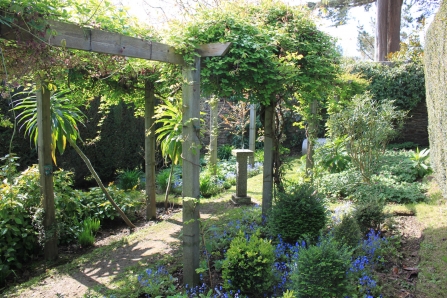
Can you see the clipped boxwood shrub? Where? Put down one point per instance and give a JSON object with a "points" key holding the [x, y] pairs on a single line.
{"points": [[369, 214], [320, 270], [298, 213], [348, 232], [248, 265]]}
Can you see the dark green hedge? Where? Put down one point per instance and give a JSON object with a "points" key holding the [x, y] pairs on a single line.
{"points": [[436, 84], [117, 144], [402, 82]]}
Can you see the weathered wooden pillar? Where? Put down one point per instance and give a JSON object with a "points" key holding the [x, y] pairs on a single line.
{"points": [[252, 134], [214, 131], [267, 185], [191, 170], [149, 150], [46, 170]]}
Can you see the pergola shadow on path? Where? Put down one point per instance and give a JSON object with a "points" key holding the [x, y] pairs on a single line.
{"points": [[72, 36]]}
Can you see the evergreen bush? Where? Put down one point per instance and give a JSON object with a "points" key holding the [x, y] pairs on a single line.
{"points": [[348, 231], [297, 213], [248, 265], [321, 270], [369, 214]]}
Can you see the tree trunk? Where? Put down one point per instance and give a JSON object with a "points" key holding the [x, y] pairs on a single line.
{"points": [[98, 180], [394, 21], [149, 150], [382, 29], [389, 13]]}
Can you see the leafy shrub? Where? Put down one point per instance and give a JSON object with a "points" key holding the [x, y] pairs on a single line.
{"points": [[338, 185], [297, 213], [210, 185], [248, 265], [368, 127], [321, 270], [162, 179], [129, 179], [402, 82], [332, 156], [348, 232], [224, 152], [18, 239], [369, 214]]}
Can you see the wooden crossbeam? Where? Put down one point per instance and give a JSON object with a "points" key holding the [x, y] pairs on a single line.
{"points": [[73, 36]]}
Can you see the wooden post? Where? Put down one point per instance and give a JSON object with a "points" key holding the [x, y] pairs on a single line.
{"points": [[252, 134], [46, 171], [191, 168], [149, 150], [267, 185], [214, 131]]}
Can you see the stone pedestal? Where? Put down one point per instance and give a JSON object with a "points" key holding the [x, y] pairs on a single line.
{"points": [[241, 176]]}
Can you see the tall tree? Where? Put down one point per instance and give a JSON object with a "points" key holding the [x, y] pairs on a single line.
{"points": [[388, 21]]}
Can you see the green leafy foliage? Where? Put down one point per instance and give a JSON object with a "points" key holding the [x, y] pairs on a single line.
{"points": [[321, 270], [403, 83], [248, 265], [396, 180], [369, 214], [224, 152], [129, 179], [87, 235], [348, 231], [65, 117], [367, 127], [420, 162], [210, 184], [298, 213], [18, 241], [332, 156]]}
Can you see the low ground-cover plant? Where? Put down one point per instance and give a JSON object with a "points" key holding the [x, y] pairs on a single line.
{"points": [[396, 180]]}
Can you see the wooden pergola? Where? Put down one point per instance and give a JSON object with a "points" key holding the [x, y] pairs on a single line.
{"points": [[72, 36]]}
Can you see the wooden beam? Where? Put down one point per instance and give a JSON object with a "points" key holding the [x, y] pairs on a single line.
{"points": [[94, 40], [73, 36], [214, 49]]}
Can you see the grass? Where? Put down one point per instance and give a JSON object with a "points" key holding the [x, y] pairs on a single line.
{"points": [[433, 264]]}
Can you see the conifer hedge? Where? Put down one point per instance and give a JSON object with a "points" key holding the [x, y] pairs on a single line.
{"points": [[436, 87]]}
